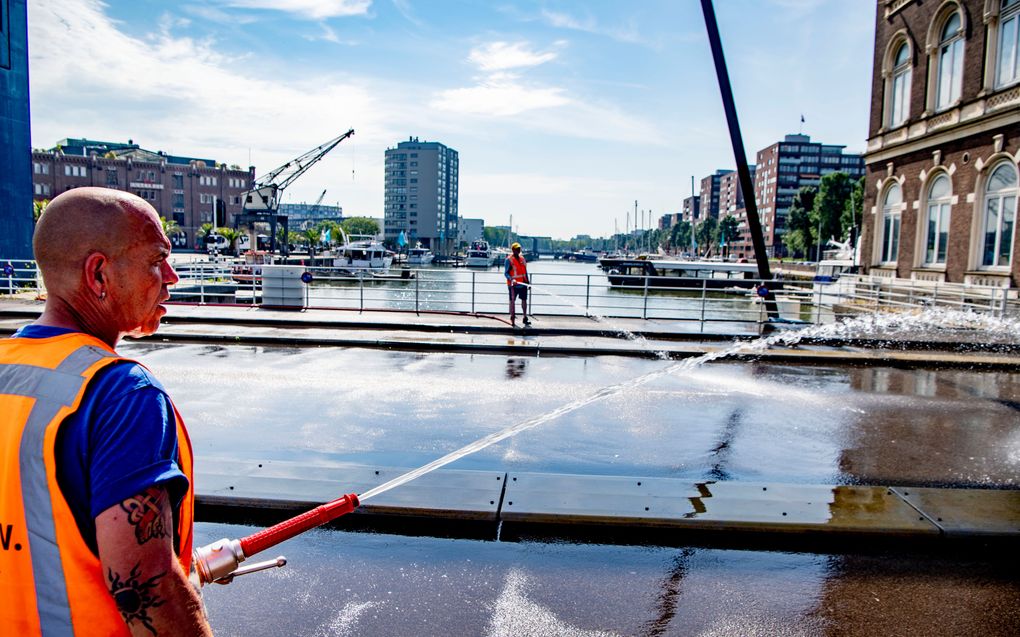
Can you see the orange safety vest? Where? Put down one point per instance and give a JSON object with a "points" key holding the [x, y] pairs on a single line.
{"points": [[518, 270], [50, 582]]}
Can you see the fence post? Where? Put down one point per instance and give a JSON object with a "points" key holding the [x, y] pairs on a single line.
{"points": [[417, 288], [361, 291], [644, 311], [201, 285], [587, 292], [761, 313], [473, 292], [935, 295], [704, 299], [253, 283]]}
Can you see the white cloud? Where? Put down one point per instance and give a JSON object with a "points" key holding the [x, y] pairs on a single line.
{"points": [[180, 95], [498, 56], [590, 25], [498, 96], [501, 93], [312, 9]]}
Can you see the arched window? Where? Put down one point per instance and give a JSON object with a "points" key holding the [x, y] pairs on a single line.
{"points": [[1000, 216], [950, 76], [891, 224], [1007, 67], [899, 107], [939, 202]]}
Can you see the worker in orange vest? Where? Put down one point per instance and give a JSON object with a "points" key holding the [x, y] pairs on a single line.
{"points": [[97, 498], [516, 273]]}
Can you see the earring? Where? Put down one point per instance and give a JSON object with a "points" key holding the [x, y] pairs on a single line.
{"points": [[102, 296]]}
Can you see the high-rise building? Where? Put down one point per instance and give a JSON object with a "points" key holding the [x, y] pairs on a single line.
{"points": [[784, 168], [943, 179], [15, 139], [709, 199], [691, 209], [421, 194], [183, 189]]}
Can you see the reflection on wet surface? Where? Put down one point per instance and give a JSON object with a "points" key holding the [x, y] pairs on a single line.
{"points": [[362, 584], [730, 421]]}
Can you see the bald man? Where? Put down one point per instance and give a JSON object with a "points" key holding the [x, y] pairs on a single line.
{"points": [[96, 502]]}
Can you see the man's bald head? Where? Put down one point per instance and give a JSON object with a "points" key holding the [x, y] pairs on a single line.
{"points": [[83, 221]]}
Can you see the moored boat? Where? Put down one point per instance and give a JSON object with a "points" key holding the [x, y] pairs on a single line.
{"points": [[479, 255], [712, 275]]}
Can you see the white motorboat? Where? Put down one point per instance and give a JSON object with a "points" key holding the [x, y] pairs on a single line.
{"points": [[362, 253], [419, 256], [479, 255]]}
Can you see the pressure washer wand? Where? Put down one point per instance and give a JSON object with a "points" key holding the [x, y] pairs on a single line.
{"points": [[218, 562]]}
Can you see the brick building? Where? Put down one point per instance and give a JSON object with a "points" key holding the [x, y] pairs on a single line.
{"points": [[184, 189], [709, 197], [782, 169], [691, 209], [944, 142]]}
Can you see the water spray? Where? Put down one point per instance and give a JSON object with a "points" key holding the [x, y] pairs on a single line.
{"points": [[218, 562]]}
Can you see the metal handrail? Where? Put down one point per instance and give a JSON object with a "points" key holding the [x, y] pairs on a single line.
{"points": [[575, 294]]}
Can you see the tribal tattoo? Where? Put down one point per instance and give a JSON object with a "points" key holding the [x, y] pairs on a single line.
{"points": [[145, 513], [134, 598]]}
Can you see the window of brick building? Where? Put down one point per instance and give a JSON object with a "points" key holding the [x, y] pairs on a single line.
{"points": [[1008, 63], [891, 206], [899, 106], [939, 204], [999, 216], [950, 75]]}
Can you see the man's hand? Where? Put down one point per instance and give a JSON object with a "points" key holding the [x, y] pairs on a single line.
{"points": [[152, 591]]}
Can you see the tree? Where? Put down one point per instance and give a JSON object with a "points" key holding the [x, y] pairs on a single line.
{"points": [[799, 236], [204, 230], [39, 207], [360, 225], [231, 235], [170, 227], [705, 234], [853, 214], [311, 237], [680, 236], [728, 232], [830, 205]]}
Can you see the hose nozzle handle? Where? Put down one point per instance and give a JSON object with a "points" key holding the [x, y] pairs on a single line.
{"points": [[267, 538]]}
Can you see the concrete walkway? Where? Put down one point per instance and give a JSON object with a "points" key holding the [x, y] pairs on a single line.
{"points": [[549, 336], [617, 509]]}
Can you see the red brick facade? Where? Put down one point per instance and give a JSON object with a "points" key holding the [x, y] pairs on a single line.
{"points": [[185, 193], [965, 139]]}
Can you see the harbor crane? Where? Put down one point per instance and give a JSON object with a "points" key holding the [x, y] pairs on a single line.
{"points": [[262, 201]]}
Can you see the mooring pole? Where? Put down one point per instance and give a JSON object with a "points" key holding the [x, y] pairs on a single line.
{"points": [[753, 222]]}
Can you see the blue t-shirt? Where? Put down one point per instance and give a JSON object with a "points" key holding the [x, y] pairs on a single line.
{"points": [[121, 441]]}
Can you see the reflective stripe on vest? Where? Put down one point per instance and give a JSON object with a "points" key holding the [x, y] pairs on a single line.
{"points": [[518, 270], [57, 556]]}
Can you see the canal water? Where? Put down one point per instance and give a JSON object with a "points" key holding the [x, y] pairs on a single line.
{"points": [[339, 584], [562, 287], [723, 421]]}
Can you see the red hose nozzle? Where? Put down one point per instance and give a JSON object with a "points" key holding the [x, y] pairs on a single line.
{"points": [[287, 529]]}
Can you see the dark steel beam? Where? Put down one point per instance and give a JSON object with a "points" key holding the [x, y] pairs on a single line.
{"points": [[746, 185]]}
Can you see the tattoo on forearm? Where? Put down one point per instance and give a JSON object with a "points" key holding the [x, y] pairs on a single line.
{"points": [[145, 513], [134, 597]]}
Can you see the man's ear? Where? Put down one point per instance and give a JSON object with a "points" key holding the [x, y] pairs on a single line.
{"points": [[95, 270]]}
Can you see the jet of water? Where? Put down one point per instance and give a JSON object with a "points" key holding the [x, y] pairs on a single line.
{"points": [[631, 336], [866, 324]]}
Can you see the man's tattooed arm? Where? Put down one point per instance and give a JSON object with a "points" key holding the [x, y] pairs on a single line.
{"points": [[135, 596], [143, 575], [145, 514]]}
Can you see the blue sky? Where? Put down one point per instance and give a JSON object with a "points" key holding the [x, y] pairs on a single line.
{"points": [[564, 113]]}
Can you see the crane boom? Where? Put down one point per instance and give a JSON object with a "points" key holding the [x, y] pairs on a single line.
{"points": [[264, 195], [318, 202]]}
